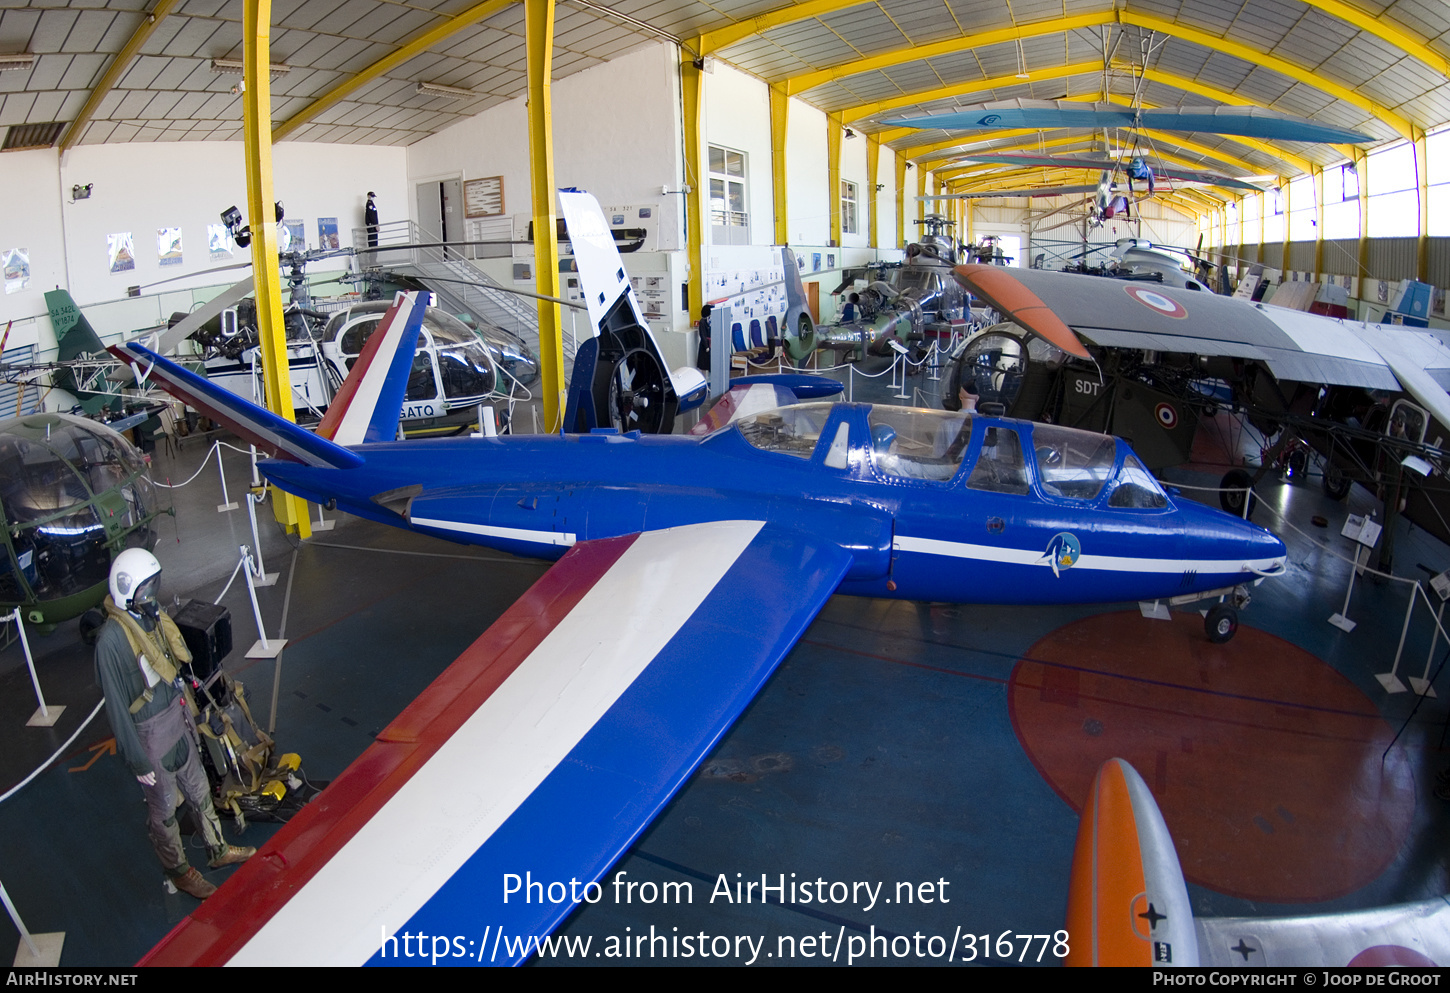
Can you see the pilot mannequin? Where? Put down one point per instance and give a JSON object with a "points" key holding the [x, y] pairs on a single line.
{"points": [[139, 652]]}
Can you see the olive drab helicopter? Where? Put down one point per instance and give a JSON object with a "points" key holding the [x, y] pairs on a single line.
{"points": [[74, 494]]}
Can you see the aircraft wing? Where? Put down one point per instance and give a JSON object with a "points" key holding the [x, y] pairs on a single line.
{"points": [[1252, 122], [1412, 934], [545, 750], [1038, 191], [1081, 162], [1129, 904], [1297, 346]]}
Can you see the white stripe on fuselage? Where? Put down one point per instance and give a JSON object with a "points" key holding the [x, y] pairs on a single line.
{"points": [[489, 531], [1101, 563], [476, 780]]}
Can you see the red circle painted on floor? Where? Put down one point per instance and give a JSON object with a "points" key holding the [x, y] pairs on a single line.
{"points": [[1263, 759]]}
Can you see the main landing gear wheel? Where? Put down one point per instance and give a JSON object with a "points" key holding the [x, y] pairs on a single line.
{"points": [[1336, 482], [1231, 499], [637, 393], [1221, 624]]}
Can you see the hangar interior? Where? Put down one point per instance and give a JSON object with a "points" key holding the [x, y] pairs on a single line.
{"points": [[899, 741]]}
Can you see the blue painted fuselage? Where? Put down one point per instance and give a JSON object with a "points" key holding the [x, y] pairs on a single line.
{"points": [[946, 540]]}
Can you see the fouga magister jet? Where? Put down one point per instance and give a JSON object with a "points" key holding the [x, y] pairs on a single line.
{"points": [[687, 568]]}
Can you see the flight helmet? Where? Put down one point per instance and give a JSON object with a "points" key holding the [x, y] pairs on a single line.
{"points": [[135, 581]]}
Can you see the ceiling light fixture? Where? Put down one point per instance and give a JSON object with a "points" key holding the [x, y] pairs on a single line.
{"points": [[238, 67], [18, 60], [440, 90]]}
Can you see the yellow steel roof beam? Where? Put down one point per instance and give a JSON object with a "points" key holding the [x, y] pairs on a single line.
{"points": [[417, 45], [1364, 20], [113, 72], [714, 41], [951, 46], [1284, 67], [852, 114]]}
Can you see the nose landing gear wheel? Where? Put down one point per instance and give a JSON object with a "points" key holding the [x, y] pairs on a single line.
{"points": [[637, 393], [1221, 624]]}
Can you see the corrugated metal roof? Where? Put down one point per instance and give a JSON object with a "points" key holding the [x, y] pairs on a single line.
{"points": [[170, 89]]}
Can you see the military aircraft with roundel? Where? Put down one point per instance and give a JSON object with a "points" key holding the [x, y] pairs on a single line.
{"points": [[687, 568]]}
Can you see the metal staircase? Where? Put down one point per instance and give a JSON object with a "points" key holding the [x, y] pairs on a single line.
{"points": [[461, 286]]}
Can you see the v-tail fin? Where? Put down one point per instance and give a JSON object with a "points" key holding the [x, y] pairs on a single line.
{"points": [[369, 405]]}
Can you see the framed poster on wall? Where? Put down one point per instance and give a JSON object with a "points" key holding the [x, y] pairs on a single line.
{"points": [[483, 197]]}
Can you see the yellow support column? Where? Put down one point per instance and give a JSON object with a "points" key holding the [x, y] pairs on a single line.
{"points": [[691, 95], [539, 42], [1263, 207], [1361, 170], [779, 112], [290, 511], [1422, 258], [1284, 192], [873, 169], [834, 127], [1318, 222], [900, 201]]}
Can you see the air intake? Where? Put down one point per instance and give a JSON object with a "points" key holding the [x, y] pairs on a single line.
{"points": [[23, 136]]}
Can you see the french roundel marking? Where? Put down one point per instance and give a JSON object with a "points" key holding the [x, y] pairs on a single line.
{"points": [[1167, 416], [1157, 302]]}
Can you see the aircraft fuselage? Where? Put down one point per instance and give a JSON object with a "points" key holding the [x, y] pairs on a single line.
{"points": [[947, 540]]}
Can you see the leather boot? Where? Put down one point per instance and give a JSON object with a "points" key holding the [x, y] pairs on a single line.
{"points": [[232, 856], [193, 884]]}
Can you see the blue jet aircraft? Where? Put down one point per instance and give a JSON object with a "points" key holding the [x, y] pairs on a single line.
{"points": [[687, 568]]}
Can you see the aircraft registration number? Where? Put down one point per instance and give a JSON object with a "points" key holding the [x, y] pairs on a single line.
{"points": [[416, 411]]}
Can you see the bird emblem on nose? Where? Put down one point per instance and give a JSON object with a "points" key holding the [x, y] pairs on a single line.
{"points": [[1062, 552]]}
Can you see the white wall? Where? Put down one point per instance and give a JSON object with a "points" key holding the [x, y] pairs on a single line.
{"points": [[886, 199], [853, 170], [806, 178], [616, 135], [736, 112], [141, 187], [32, 220]]}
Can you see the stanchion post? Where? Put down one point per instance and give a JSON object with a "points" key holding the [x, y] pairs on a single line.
{"points": [[263, 649], [43, 717], [227, 503], [36, 951]]}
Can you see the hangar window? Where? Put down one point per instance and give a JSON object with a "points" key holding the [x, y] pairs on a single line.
{"points": [[849, 197], [729, 215]]}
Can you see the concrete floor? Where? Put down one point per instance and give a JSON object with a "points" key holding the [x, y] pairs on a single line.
{"points": [[899, 743]]}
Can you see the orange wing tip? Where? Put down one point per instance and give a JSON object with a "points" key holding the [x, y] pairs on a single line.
{"points": [[1127, 904], [1017, 303]]}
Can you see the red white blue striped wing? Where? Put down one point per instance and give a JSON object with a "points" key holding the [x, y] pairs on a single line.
{"points": [[546, 748]]}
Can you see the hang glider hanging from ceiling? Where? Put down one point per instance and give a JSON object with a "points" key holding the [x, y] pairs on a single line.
{"points": [[1247, 122]]}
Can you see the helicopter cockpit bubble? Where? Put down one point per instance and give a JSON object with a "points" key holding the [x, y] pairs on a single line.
{"points": [[73, 493], [993, 364]]}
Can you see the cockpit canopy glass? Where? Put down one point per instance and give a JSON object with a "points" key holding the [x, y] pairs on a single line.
{"points": [[792, 430], [1137, 489], [1073, 464], [997, 360], [67, 485], [919, 444]]}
